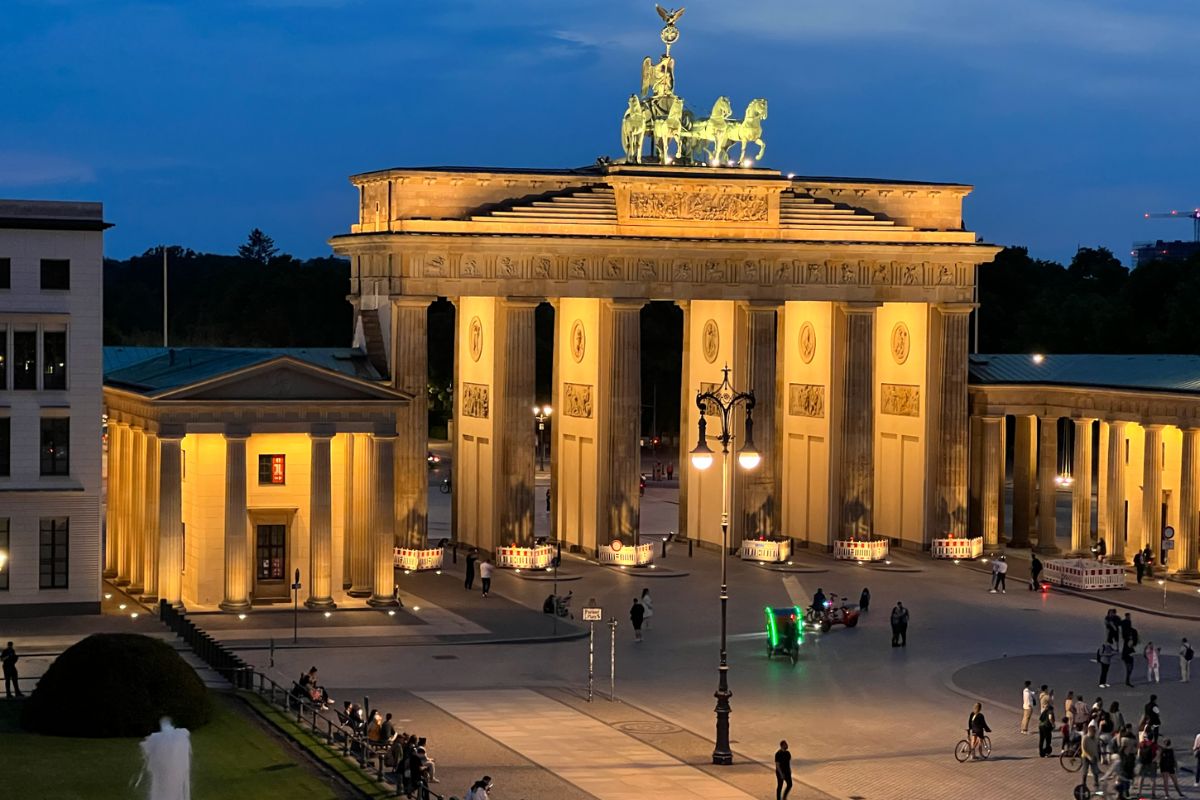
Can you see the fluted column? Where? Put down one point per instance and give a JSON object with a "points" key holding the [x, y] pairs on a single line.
{"points": [[111, 543], [1116, 492], [361, 484], [124, 475], [758, 496], [1047, 488], [383, 536], [991, 464], [137, 527], [150, 548], [515, 426], [951, 469], [621, 507], [975, 478], [856, 431], [1024, 467], [687, 434], [237, 556], [410, 371], [1102, 482], [1188, 541], [1152, 489], [1081, 489], [1001, 474], [320, 523], [170, 519]]}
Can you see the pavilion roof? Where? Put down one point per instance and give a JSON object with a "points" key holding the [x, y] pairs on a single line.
{"points": [[1155, 373]]}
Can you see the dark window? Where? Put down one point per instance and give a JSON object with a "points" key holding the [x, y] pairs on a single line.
{"points": [[54, 360], [24, 359], [56, 441], [272, 548], [5, 444], [56, 273], [5, 273], [272, 469], [3, 357], [4, 548], [54, 558]]}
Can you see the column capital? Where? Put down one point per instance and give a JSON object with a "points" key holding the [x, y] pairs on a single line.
{"points": [[322, 430], [1153, 426], [1081, 421], [172, 435], [629, 303], [858, 306], [384, 436], [236, 433], [956, 308], [412, 300], [761, 305], [522, 302], [991, 418]]}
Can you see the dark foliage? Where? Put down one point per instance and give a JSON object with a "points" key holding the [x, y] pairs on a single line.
{"points": [[116, 684], [259, 248]]}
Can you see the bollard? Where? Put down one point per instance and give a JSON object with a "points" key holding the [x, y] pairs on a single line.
{"points": [[689, 548], [664, 547]]}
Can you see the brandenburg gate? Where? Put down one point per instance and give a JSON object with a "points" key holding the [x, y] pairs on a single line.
{"points": [[842, 303]]}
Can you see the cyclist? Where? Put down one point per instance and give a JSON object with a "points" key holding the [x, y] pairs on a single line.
{"points": [[976, 728]]}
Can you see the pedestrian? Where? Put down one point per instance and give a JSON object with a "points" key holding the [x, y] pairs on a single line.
{"points": [[1028, 700], [1127, 628], [899, 625], [1046, 729], [977, 729], [670, 471], [1112, 626], [1045, 696], [485, 575], [783, 771], [864, 599], [648, 604], [1196, 755], [1151, 718], [1101, 550], [1090, 750], [480, 790], [1139, 566], [1150, 653], [547, 501], [1035, 573], [1147, 760], [472, 557], [637, 613], [1168, 767], [1081, 714], [1148, 561], [1068, 720], [1127, 660], [1185, 660], [12, 682], [1105, 656], [1001, 572], [995, 576]]}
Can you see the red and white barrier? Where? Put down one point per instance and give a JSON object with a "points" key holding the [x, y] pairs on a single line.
{"points": [[957, 548], [766, 550], [517, 557], [1083, 573], [627, 556], [860, 549], [413, 560]]}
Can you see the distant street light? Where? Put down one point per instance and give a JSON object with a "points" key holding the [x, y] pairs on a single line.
{"points": [[541, 414]]}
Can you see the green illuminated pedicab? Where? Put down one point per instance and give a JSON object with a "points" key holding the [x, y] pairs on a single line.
{"points": [[785, 631]]}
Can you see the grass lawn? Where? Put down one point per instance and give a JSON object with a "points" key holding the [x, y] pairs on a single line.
{"points": [[231, 758]]}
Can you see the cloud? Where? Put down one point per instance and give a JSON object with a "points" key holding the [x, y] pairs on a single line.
{"points": [[39, 169]]}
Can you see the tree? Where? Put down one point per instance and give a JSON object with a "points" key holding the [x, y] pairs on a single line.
{"points": [[258, 248]]}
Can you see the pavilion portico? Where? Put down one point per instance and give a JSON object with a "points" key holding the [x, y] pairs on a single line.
{"points": [[228, 470], [1135, 420]]}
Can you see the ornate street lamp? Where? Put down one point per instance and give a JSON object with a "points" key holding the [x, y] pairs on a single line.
{"points": [[541, 414], [720, 403]]}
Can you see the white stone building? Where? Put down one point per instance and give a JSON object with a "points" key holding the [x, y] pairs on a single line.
{"points": [[51, 257]]}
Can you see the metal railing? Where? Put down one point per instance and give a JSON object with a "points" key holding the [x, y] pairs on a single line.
{"points": [[222, 660]]}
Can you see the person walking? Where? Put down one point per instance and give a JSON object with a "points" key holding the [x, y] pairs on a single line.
{"points": [[864, 600], [637, 613], [485, 575], [1001, 573], [995, 576], [1148, 561], [1185, 661], [1168, 767], [1028, 701], [977, 728], [1112, 626], [648, 604], [1126, 625], [1151, 718], [1101, 549], [1068, 720], [1147, 761], [1150, 653], [1127, 660], [1105, 656], [1035, 573], [1196, 755], [12, 681], [783, 771], [472, 557], [1090, 750], [899, 625], [1046, 729], [1139, 566]]}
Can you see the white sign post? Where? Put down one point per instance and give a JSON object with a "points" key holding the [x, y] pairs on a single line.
{"points": [[591, 616]]}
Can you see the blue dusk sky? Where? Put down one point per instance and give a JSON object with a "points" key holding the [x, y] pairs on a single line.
{"points": [[196, 121]]}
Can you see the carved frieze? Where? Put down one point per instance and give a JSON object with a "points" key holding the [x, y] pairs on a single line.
{"points": [[435, 265], [475, 400], [901, 342], [507, 267], [709, 409], [577, 268], [475, 342], [469, 267], [900, 400], [711, 341], [577, 400], [578, 340], [646, 270], [703, 206], [808, 342], [806, 400], [542, 266]]}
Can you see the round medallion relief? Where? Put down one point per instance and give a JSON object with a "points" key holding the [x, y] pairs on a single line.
{"points": [[808, 342], [578, 340], [476, 338], [901, 341], [711, 341]]}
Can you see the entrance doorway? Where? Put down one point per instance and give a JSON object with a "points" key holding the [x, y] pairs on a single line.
{"points": [[270, 563]]}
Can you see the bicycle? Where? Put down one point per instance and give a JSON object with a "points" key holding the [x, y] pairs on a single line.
{"points": [[1070, 759], [962, 750]]}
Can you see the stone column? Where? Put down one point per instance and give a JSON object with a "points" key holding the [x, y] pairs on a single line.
{"points": [[1024, 466], [111, 524], [124, 475], [1081, 490], [1188, 541], [556, 405], [991, 464], [237, 543], [687, 435], [1102, 482], [150, 548], [359, 536], [1001, 474], [758, 497], [170, 519], [975, 478], [621, 505], [951, 470], [515, 426], [856, 431], [410, 371], [137, 527], [320, 524], [1047, 488], [383, 537], [1116, 492], [1152, 489]]}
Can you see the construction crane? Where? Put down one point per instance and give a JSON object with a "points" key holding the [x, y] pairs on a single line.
{"points": [[1193, 215]]}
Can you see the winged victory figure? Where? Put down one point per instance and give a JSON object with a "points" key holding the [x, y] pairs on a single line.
{"points": [[669, 16]]}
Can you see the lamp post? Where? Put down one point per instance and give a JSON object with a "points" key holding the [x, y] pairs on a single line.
{"points": [[541, 414], [720, 403]]}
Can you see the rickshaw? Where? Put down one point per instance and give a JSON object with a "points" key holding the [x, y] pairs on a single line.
{"points": [[836, 612], [785, 631]]}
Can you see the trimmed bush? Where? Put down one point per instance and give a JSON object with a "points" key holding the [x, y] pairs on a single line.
{"points": [[116, 684]]}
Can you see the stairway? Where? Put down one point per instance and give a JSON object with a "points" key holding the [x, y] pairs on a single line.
{"points": [[373, 333]]}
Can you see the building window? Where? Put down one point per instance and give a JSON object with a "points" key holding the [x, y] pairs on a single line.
{"points": [[56, 273], [4, 548], [272, 469], [25, 360], [54, 360], [5, 444], [5, 273], [54, 558], [56, 441], [3, 357]]}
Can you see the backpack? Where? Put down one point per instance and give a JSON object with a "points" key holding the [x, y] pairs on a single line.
{"points": [[1188, 653]]}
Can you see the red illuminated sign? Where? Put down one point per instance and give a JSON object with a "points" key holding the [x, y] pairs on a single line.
{"points": [[277, 469]]}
